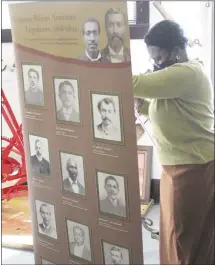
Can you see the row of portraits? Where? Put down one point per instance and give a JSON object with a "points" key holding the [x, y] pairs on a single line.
{"points": [[78, 236], [116, 49], [105, 107], [111, 188]]}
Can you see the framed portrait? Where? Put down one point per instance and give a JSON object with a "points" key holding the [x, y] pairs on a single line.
{"points": [[79, 240], [115, 254], [46, 262], [46, 221], [107, 122], [112, 194], [40, 157], [109, 52], [72, 173], [33, 85], [91, 46], [144, 154], [67, 103]]}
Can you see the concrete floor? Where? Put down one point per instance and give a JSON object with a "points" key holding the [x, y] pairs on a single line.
{"points": [[150, 246]]}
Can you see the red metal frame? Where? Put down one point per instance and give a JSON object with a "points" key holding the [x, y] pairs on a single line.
{"points": [[11, 168]]}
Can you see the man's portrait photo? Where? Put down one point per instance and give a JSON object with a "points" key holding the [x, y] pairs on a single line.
{"points": [[72, 173], [46, 219], [79, 240], [67, 100], [91, 38], [107, 123], [33, 85], [116, 30], [115, 255], [112, 194], [40, 161]]}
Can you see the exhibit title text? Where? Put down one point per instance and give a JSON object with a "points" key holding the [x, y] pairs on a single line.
{"points": [[37, 18]]}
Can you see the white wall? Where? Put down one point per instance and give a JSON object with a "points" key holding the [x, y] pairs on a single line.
{"points": [[196, 24], [9, 85]]}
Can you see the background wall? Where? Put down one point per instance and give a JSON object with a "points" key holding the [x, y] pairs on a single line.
{"points": [[194, 16], [9, 84]]}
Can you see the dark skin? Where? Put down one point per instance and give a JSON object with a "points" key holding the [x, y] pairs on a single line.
{"points": [[159, 55]]}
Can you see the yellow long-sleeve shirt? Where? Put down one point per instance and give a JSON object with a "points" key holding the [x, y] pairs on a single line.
{"points": [[181, 112]]}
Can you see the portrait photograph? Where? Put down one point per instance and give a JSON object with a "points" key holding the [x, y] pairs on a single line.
{"points": [[46, 262], [40, 158], [79, 240], [72, 173], [107, 118], [112, 194], [91, 40], [109, 45], [116, 50], [114, 254], [67, 100], [46, 219], [33, 85]]}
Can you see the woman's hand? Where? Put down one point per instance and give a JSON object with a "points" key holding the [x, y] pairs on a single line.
{"points": [[138, 103]]}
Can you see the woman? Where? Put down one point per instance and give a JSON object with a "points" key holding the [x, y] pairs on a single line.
{"points": [[182, 117]]}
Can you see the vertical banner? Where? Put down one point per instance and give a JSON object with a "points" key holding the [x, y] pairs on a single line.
{"points": [[74, 71]]}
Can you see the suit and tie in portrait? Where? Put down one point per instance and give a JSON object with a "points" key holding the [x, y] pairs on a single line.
{"points": [[109, 55], [115, 255], [115, 51], [79, 240], [110, 202], [107, 117], [63, 115], [115, 25], [73, 173], [112, 206], [47, 226], [91, 37], [46, 230], [69, 186], [84, 252], [40, 166], [69, 101], [34, 94]]}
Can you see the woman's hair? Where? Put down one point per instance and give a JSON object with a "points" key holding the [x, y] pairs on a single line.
{"points": [[166, 35]]}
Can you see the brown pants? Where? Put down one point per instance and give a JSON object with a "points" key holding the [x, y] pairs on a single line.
{"points": [[187, 214]]}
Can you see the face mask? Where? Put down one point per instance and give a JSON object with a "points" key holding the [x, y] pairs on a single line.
{"points": [[165, 64]]}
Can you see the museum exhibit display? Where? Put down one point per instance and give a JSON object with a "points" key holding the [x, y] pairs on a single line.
{"points": [[75, 82]]}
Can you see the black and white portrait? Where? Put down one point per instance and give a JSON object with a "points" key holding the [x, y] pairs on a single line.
{"points": [[72, 173], [33, 85], [46, 262], [79, 240], [116, 31], [40, 160], [46, 219], [91, 39], [115, 255], [112, 194], [107, 124], [67, 100]]}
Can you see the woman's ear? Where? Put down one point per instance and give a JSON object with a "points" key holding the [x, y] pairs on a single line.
{"points": [[176, 52]]}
